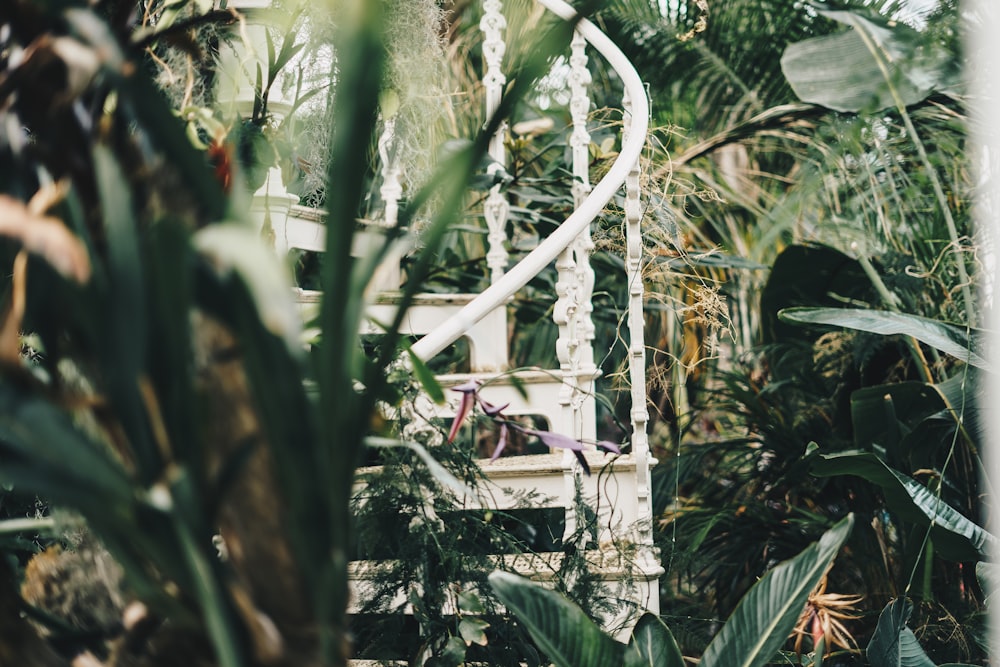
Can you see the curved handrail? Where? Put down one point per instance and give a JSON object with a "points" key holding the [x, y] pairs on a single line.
{"points": [[549, 249]]}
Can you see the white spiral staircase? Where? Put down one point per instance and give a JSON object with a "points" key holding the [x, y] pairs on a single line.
{"points": [[563, 396]]}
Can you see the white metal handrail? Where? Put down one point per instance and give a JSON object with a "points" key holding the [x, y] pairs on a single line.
{"points": [[549, 249]]}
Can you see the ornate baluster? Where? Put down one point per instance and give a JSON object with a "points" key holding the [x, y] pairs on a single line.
{"points": [[564, 316], [388, 276], [579, 81], [392, 189], [637, 367], [495, 210], [575, 285]]}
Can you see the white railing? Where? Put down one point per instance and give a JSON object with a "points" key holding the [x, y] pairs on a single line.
{"points": [[581, 218], [570, 245]]}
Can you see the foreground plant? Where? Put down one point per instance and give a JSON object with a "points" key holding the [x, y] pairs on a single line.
{"points": [[751, 637], [168, 398]]}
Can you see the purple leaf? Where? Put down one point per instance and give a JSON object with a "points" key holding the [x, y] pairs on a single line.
{"points": [[583, 462], [468, 391], [501, 443], [470, 387], [608, 446], [555, 439], [492, 410]]}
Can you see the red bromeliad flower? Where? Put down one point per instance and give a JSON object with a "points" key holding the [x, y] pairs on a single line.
{"points": [[470, 396]]}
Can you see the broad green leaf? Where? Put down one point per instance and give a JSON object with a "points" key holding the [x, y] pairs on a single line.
{"points": [[869, 67], [965, 394], [766, 615], [955, 536], [948, 338], [473, 630], [911, 403], [652, 645], [559, 627], [469, 602], [894, 644], [807, 275], [945, 516], [238, 249], [452, 654], [123, 355], [989, 578]]}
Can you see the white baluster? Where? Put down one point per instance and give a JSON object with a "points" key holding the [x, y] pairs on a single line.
{"points": [[496, 208], [388, 276], [637, 370], [564, 316], [579, 81], [575, 287], [392, 189]]}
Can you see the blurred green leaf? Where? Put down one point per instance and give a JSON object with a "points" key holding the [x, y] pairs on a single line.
{"points": [[952, 339], [123, 354], [425, 376], [559, 627], [866, 67], [238, 249], [42, 450], [170, 274], [473, 630]]}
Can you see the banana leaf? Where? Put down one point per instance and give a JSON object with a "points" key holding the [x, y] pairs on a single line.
{"points": [[652, 645], [955, 340], [766, 615], [894, 644], [872, 66], [559, 627], [955, 537]]}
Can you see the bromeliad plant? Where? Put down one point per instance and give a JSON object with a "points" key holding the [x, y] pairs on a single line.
{"points": [[471, 397]]}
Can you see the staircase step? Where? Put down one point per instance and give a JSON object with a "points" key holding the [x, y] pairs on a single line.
{"points": [[487, 338], [635, 582], [549, 480]]}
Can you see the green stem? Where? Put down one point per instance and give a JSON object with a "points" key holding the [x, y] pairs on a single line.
{"points": [[927, 593]]}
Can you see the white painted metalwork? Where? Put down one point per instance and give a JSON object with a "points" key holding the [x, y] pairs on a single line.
{"points": [[392, 189], [389, 275], [580, 142], [637, 354], [496, 209], [549, 249], [634, 498], [574, 290]]}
